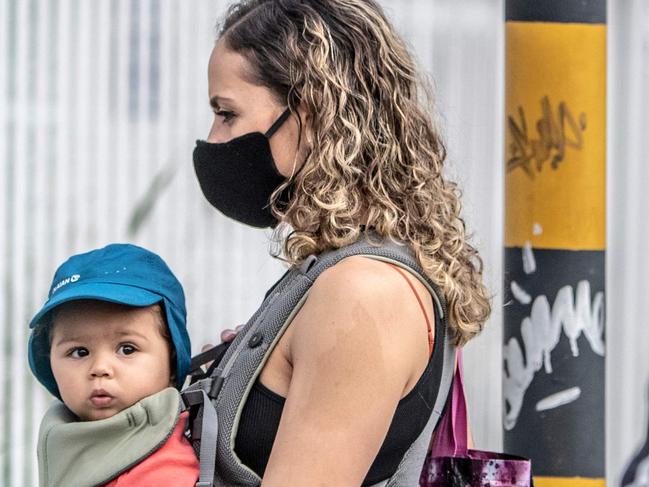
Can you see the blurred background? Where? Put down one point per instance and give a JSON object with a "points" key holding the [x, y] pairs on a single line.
{"points": [[100, 107]]}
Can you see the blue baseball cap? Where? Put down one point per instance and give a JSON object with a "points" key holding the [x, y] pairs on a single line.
{"points": [[118, 273]]}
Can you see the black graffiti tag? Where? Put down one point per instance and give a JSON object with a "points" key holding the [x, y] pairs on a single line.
{"points": [[552, 138]]}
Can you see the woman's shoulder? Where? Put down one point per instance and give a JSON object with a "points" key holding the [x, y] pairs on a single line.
{"points": [[368, 303], [371, 281], [361, 277]]}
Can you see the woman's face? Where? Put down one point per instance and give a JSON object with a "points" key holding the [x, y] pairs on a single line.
{"points": [[241, 107]]}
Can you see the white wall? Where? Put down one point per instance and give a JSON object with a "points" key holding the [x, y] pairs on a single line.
{"points": [[627, 365], [100, 99]]}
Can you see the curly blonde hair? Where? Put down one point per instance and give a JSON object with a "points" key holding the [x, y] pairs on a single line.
{"points": [[375, 152]]}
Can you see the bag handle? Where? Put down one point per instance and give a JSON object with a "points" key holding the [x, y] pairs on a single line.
{"points": [[450, 440]]}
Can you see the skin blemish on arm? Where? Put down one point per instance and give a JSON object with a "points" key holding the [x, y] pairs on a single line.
{"points": [[361, 338]]}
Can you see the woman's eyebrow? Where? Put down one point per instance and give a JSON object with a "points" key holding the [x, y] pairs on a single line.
{"points": [[216, 101]]}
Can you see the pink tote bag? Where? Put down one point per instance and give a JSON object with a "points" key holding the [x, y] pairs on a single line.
{"points": [[451, 464]]}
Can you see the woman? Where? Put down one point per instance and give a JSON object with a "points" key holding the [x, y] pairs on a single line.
{"points": [[318, 128]]}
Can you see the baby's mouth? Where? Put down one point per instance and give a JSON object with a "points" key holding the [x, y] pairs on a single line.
{"points": [[100, 398]]}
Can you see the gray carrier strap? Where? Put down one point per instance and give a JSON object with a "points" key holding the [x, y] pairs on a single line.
{"points": [[245, 358], [196, 395]]}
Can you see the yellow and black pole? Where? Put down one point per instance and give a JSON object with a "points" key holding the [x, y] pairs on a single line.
{"points": [[555, 238]]}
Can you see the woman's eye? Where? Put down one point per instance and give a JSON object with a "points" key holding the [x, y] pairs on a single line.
{"points": [[126, 349], [227, 116], [79, 352]]}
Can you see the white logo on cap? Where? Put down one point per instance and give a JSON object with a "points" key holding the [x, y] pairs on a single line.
{"points": [[67, 280]]}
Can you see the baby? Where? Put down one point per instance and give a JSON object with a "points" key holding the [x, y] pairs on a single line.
{"points": [[111, 343]]}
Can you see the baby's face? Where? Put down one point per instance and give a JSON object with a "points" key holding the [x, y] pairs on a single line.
{"points": [[106, 357]]}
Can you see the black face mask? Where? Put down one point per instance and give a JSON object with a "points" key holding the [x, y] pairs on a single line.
{"points": [[238, 177]]}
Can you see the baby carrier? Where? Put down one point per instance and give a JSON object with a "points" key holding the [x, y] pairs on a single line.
{"points": [[216, 397]]}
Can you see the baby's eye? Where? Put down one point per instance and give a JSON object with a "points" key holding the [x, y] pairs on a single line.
{"points": [[79, 352], [126, 349]]}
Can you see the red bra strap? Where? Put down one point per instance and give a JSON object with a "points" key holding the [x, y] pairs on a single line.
{"points": [[431, 340]]}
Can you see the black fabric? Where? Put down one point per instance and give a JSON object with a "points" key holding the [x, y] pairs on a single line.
{"points": [[572, 11], [263, 409], [238, 177], [214, 354], [218, 353]]}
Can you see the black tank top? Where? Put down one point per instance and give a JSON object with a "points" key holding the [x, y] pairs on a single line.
{"points": [[263, 408]]}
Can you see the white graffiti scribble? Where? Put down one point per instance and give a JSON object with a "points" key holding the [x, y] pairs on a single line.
{"points": [[559, 399], [529, 262], [541, 332], [520, 294]]}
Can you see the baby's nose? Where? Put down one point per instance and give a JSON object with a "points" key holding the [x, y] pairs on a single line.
{"points": [[101, 367]]}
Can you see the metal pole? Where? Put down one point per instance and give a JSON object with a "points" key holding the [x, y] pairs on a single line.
{"points": [[555, 238]]}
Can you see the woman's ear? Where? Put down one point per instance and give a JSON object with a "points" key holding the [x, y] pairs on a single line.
{"points": [[305, 139], [305, 126]]}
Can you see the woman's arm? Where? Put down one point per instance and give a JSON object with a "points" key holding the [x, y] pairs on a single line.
{"points": [[356, 346]]}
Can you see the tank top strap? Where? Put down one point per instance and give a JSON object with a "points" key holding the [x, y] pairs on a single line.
{"points": [[431, 340]]}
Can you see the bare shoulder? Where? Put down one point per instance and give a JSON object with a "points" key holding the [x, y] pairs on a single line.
{"points": [[359, 277], [365, 303]]}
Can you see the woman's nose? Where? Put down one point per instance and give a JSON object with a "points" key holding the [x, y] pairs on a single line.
{"points": [[212, 137], [216, 135]]}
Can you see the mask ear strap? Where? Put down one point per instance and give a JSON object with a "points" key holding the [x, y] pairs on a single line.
{"points": [[278, 123]]}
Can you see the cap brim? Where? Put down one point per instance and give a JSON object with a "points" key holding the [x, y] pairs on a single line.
{"points": [[100, 291]]}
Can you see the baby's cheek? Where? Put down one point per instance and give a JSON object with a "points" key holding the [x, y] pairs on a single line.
{"points": [[161, 380]]}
